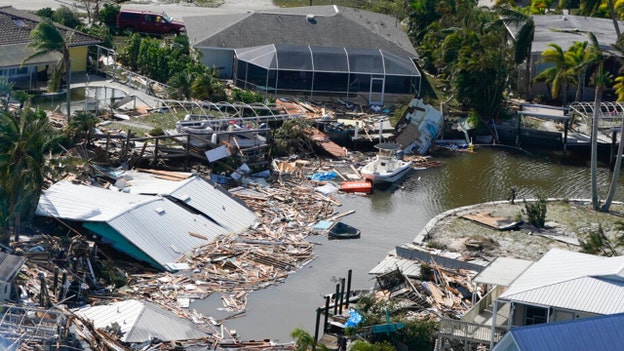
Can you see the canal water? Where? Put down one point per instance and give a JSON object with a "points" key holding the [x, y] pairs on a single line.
{"points": [[391, 217]]}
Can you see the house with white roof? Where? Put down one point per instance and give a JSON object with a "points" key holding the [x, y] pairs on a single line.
{"points": [[561, 286], [152, 219]]}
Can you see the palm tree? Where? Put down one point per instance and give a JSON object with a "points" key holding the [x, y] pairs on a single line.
{"points": [[523, 40], [600, 80], [578, 58], [25, 138], [180, 84], [81, 125], [618, 160], [559, 74], [590, 7], [46, 38]]}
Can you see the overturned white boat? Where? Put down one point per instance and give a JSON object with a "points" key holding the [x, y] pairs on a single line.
{"points": [[387, 167]]}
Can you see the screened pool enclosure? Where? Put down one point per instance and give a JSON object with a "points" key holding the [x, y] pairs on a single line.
{"points": [[319, 70]]}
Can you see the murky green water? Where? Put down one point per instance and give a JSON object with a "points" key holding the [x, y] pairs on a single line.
{"points": [[393, 217]]}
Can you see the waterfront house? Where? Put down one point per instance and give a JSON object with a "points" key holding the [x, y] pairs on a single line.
{"points": [[561, 286], [158, 221], [564, 30], [603, 333], [311, 50], [16, 26]]}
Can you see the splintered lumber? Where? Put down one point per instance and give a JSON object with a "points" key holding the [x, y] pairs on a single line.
{"points": [[198, 235]]}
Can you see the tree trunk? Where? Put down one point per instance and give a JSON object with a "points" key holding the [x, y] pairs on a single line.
{"points": [[594, 147], [614, 16], [616, 172], [67, 60]]}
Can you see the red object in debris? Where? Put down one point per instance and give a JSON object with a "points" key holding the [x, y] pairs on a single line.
{"points": [[357, 186]]}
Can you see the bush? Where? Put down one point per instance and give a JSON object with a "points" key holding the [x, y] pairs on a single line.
{"points": [[65, 16], [536, 212], [45, 12], [108, 15]]}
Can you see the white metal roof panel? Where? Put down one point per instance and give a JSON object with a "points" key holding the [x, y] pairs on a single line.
{"points": [[216, 203], [85, 203], [161, 229], [560, 265], [502, 271], [588, 294], [572, 280], [201, 194], [410, 268], [141, 321], [145, 183]]}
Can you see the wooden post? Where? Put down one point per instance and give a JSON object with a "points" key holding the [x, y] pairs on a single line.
{"points": [[155, 151], [566, 125], [348, 287], [336, 299], [326, 313], [342, 291], [316, 332]]}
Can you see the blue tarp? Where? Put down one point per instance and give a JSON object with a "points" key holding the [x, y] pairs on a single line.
{"points": [[354, 318]]}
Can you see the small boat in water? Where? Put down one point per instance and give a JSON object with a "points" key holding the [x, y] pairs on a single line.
{"points": [[387, 167], [341, 230], [356, 186]]}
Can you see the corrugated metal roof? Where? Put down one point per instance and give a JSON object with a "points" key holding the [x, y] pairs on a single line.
{"points": [[85, 203], [572, 280], [161, 228], [602, 333], [502, 271], [142, 321], [201, 194], [410, 268]]}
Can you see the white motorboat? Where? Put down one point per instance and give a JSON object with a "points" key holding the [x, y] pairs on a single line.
{"points": [[387, 167]]}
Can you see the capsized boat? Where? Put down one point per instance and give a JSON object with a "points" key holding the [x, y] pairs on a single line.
{"points": [[341, 230], [387, 167], [356, 186]]}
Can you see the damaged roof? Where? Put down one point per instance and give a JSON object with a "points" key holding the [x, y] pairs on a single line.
{"points": [[156, 229], [313, 26], [141, 321], [199, 193]]}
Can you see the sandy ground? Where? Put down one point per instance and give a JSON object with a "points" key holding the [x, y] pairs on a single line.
{"points": [[566, 222]]}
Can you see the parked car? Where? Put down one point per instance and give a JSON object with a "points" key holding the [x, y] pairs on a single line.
{"points": [[148, 22]]}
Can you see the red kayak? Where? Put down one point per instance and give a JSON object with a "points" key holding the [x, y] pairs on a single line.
{"points": [[357, 186]]}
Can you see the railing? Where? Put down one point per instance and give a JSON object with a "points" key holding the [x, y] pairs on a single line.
{"points": [[482, 304], [107, 64], [468, 331]]}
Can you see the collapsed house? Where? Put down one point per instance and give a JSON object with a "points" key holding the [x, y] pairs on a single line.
{"points": [[154, 219], [136, 321]]}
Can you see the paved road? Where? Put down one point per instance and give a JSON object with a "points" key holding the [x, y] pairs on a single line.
{"points": [[182, 9]]}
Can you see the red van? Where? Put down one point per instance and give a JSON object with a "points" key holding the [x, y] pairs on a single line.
{"points": [[148, 22]]}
